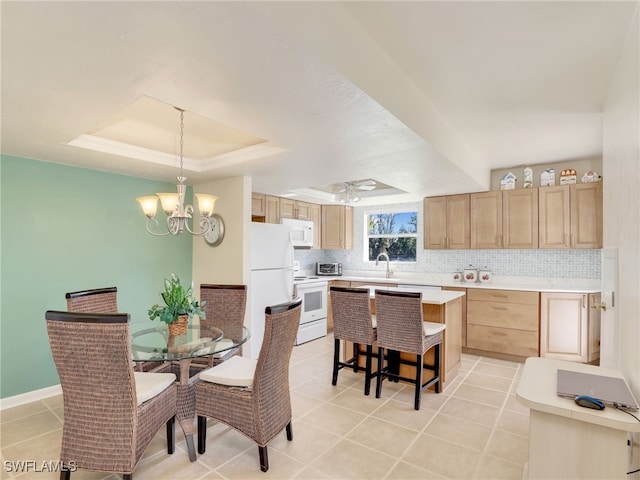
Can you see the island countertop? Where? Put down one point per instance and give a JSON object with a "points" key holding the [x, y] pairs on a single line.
{"points": [[429, 295]]}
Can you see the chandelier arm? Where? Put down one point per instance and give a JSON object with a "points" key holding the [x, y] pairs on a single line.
{"points": [[175, 225], [149, 222], [205, 226]]}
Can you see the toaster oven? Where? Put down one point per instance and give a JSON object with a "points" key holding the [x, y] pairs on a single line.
{"points": [[328, 268]]}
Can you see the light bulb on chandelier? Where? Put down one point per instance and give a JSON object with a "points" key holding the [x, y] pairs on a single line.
{"points": [[173, 205]]}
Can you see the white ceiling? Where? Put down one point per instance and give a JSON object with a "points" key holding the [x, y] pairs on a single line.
{"points": [[426, 97]]}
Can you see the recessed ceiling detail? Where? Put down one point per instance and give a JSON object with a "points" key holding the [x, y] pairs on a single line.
{"points": [[147, 130]]}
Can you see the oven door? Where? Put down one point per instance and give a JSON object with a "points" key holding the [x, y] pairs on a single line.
{"points": [[314, 301]]}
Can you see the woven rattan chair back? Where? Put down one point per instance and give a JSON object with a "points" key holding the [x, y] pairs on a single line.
{"points": [[263, 410], [272, 400], [102, 429], [225, 308], [351, 310], [399, 321], [98, 300]]}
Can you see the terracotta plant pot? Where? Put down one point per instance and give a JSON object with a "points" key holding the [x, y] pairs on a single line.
{"points": [[179, 327]]}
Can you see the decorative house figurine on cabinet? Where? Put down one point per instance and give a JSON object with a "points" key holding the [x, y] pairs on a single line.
{"points": [[527, 178], [508, 182], [548, 178], [568, 176], [591, 177]]}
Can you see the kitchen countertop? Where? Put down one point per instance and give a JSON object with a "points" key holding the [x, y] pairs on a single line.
{"points": [[430, 296], [535, 284]]}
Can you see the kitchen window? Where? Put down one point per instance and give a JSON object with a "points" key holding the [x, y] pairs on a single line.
{"points": [[395, 233]]}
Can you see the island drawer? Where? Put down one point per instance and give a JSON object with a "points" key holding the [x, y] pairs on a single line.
{"points": [[510, 341], [506, 315], [503, 296]]}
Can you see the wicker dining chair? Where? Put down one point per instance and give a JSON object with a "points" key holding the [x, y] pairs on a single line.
{"points": [[353, 322], [225, 308], [252, 396], [401, 329], [97, 300], [103, 300], [111, 413]]}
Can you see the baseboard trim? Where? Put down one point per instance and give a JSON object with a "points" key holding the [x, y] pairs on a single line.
{"points": [[29, 397]]}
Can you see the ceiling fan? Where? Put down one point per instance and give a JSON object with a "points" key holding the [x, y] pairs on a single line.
{"points": [[349, 190]]}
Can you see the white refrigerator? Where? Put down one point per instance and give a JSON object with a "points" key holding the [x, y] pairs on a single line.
{"points": [[271, 277]]}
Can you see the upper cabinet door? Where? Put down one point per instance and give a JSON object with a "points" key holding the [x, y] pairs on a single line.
{"points": [[586, 215], [287, 208], [316, 217], [303, 211], [486, 219], [258, 205], [458, 236], [555, 217], [435, 223], [520, 218], [337, 227], [446, 222], [571, 216]]}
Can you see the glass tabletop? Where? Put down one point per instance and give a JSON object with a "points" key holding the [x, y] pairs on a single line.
{"points": [[155, 344]]}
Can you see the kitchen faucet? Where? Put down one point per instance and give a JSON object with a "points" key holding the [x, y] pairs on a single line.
{"points": [[389, 272]]}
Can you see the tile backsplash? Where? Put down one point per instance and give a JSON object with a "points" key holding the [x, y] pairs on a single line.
{"points": [[562, 263]]}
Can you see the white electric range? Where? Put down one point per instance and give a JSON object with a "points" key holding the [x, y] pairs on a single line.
{"points": [[313, 318]]}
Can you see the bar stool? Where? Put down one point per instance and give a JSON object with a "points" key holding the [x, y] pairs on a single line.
{"points": [[401, 329], [353, 322]]}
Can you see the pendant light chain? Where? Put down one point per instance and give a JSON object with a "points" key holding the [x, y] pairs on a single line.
{"points": [[181, 137]]}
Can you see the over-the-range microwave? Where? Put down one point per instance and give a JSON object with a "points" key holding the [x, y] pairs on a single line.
{"points": [[301, 232]]}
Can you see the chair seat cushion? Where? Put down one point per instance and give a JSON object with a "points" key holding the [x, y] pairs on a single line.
{"points": [[148, 385], [374, 321], [431, 328], [235, 372]]}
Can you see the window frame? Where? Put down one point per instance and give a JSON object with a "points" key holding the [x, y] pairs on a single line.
{"points": [[386, 210]]}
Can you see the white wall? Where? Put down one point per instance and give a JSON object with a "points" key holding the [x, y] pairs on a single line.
{"points": [[621, 175]]}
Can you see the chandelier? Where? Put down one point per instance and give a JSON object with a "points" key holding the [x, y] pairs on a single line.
{"points": [[173, 205]]}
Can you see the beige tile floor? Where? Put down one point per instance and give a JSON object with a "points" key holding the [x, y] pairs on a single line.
{"points": [[475, 429]]}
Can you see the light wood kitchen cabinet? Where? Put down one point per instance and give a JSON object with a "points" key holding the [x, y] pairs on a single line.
{"points": [[294, 209], [337, 227], [571, 216], [486, 220], [264, 208], [503, 322], [570, 326], [446, 222], [315, 215], [520, 218], [272, 213], [504, 219], [258, 205]]}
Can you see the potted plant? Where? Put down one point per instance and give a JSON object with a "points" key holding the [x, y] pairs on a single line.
{"points": [[179, 307]]}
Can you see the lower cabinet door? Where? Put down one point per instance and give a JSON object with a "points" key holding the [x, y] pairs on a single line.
{"points": [[569, 329]]}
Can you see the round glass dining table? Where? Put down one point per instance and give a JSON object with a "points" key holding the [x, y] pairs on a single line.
{"points": [[174, 354]]}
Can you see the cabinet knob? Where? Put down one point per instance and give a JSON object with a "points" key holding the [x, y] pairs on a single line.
{"points": [[601, 306]]}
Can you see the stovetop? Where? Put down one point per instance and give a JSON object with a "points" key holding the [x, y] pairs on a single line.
{"points": [[298, 279]]}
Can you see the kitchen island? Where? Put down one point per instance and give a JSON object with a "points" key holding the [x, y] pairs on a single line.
{"points": [[513, 318], [439, 306]]}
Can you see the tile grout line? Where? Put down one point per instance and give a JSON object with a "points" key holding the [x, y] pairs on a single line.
{"points": [[422, 431], [495, 424]]}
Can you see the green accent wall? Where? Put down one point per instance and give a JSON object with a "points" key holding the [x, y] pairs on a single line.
{"points": [[64, 229]]}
